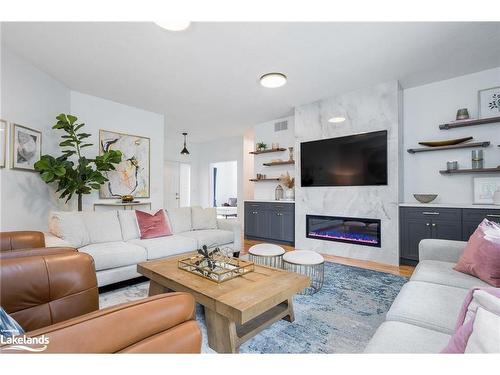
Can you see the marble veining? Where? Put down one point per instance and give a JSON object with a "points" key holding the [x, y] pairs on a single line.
{"points": [[366, 110]]}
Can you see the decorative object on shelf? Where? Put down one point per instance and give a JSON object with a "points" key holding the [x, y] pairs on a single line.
{"points": [[3, 142], [289, 183], [75, 177], [462, 145], [216, 265], [184, 150], [132, 174], [275, 146], [496, 197], [484, 188], [261, 146], [278, 193], [290, 150], [451, 165], [489, 102], [448, 142], [127, 198], [425, 198], [26, 147], [462, 114], [477, 159]]}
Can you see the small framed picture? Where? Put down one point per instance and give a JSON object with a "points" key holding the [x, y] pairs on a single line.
{"points": [[26, 147], [489, 102], [3, 142], [484, 187]]}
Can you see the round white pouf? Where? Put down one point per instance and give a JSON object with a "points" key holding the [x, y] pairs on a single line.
{"points": [[266, 254], [308, 263]]}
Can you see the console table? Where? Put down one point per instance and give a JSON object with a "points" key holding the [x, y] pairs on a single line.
{"points": [[121, 205], [417, 222]]}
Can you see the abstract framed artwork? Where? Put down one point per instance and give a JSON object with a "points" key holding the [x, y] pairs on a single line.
{"points": [[26, 147], [484, 187], [3, 142], [132, 174], [489, 102]]}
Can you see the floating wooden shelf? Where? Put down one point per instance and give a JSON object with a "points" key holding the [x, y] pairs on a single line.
{"points": [[264, 179], [461, 124], [468, 171], [279, 163], [462, 145], [267, 151]]}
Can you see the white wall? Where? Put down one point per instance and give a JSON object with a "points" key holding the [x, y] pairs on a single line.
{"points": [[285, 138], [104, 114], [425, 107], [31, 98]]}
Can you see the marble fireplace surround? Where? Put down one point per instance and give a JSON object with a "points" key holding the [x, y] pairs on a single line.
{"points": [[366, 110]]}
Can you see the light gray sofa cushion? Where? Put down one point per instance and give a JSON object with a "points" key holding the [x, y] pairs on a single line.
{"points": [[179, 219], [114, 254], [70, 227], [437, 272], [428, 305], [398, 337], [442, 250], [161, 247], [103, 226], [210, 237], [204, 218]]}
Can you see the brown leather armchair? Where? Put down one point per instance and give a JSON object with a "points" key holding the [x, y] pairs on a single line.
{"points": [[26, 243], [56, 295]]}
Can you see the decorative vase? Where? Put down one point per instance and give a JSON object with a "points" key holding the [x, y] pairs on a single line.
{"points": [[127, 198], [290, 194], [278, 193], [462, 114], [290, 149]]}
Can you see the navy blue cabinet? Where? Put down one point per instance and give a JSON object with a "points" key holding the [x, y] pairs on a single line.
{"points": [[270, 221]]}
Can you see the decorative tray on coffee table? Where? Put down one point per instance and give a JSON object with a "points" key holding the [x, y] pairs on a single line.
{"points": [[218, 268]]}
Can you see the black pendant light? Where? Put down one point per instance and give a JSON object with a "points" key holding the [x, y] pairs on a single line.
{"points": [[184, 150]]}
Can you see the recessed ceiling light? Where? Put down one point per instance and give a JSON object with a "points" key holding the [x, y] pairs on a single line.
{"points": [[337, 119], [273, 80], [174, 25]]}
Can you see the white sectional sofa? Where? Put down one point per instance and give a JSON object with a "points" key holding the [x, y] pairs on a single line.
{"points": [[112, 238], [423, 315]]}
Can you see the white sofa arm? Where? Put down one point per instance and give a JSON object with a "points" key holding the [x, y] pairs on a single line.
{"points": [[442, 250], [233, 226], [54, 241]]}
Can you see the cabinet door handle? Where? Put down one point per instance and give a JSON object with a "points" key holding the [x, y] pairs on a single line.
{"points": [[430, 213], [427, 224], [255, 212], [279, 214], [492, 215], [433, 224]]}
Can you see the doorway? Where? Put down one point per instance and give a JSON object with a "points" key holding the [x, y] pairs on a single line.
{"points": [[224, 187], [177, 184]]}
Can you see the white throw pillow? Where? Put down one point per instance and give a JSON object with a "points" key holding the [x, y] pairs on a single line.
{"points": [[179, 219], [70, 227], [204, 218], [103, 226], [485, 337], [128, 223]]}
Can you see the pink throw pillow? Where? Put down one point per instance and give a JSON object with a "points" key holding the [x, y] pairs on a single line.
{"points": [[152, 226], [481, 257]]}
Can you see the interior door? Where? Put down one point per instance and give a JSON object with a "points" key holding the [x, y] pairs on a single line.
{"points": [[172, 184]]}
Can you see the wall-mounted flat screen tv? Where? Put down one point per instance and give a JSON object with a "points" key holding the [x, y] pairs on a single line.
{"points": [[355, 160]]}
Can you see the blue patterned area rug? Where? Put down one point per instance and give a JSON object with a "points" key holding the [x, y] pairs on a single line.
{"points": [[341, 318]]}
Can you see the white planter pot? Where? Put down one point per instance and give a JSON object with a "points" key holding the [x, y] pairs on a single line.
{"points": [[290, 194]]}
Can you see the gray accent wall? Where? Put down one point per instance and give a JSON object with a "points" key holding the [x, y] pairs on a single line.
{"points": [[366, 110]]}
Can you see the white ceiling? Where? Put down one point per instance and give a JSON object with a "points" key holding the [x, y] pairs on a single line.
{"points": [[205, 79]]}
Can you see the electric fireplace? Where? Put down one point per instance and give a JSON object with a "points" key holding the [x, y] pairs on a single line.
{"points": [[353, 230]]}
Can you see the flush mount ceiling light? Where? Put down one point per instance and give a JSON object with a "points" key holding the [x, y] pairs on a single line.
{"points": [[273, 80], [337, 119], [174, 25], [184, 151]]}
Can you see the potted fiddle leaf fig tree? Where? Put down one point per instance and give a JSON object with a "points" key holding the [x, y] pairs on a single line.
{"points": [[74, 173]]}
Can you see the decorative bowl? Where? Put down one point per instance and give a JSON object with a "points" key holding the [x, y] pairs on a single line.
{"points": [[425, 198], [127, 198]]}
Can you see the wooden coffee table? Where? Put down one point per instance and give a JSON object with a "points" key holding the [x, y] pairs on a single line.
{"points": [[235, 310]]}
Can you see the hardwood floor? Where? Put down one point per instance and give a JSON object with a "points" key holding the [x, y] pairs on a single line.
{"points": [[405, 271]]}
